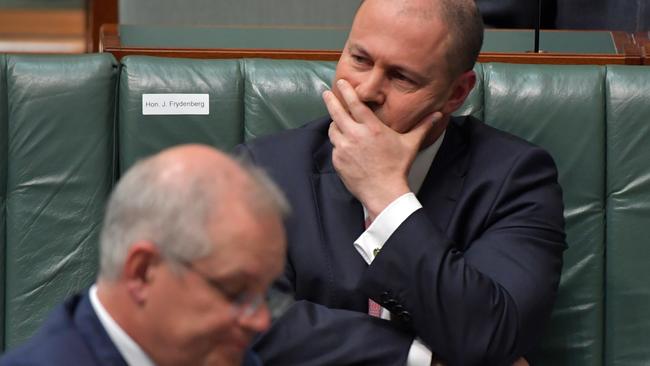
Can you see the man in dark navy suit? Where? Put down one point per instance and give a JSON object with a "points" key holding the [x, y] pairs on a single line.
{"points": [[190, 243], [417, 238]]}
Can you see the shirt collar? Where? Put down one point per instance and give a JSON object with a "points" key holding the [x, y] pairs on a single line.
{"points": [[128, 348]]}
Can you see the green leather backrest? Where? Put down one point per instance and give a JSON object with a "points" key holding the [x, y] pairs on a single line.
{"points": [[561, 108], [3, 191], [628, 216], [60, 172], [283, 94], [142, 135]]}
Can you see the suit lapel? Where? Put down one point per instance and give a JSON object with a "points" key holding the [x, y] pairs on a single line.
{"points": [[444, 181], [341, 220], [341, 214]]}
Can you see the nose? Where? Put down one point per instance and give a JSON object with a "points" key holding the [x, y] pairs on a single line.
{"points": [[258, 321], [371, 88]]}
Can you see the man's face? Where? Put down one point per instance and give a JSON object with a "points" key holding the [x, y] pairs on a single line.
{"points": [[395, 60], [194, 322]]}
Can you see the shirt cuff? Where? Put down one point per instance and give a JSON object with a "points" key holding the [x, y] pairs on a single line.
{"points": [[384, 225], [419, 354]]}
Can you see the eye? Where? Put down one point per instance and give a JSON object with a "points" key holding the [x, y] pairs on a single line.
{"points": [[401, 77], [230, 290], [233, 295], [359, 59]]}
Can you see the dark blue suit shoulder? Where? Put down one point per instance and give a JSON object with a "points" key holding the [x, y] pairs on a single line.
{"points": [[290, 149], [309, 133], [52, 343], [502, 146]]}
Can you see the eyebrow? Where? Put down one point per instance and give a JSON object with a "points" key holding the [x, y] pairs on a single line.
{"points": [[237, 277], [417, 77]]}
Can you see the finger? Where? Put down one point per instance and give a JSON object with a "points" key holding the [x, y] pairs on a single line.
{"points": [[339, 115], [420, 131], [336, 139], [358, 109], [334, 134]]}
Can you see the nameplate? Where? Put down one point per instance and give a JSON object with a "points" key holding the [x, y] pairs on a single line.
{"points": [[175, 104]]}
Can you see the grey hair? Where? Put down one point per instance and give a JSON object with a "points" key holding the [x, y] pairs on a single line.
{"points": [[173, 214]]}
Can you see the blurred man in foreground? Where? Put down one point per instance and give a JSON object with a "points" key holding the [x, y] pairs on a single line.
{"points": [[190, 243]]}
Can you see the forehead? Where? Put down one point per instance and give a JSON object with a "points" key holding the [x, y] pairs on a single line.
{"points": [[408, 33], [247, 242]]}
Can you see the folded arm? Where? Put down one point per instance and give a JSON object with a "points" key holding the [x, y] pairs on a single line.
{"points": [[485, 301]]}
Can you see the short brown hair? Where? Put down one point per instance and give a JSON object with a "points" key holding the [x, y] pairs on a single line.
{"points": [[465, 24]]}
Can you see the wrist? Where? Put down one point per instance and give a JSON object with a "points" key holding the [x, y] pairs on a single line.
{"points": [[377, 202]]}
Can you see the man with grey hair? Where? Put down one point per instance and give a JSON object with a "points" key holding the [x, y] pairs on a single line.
{"points": [[190, 243], [418, 237]]}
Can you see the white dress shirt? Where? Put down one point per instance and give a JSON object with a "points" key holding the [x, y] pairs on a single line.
{"points": [[385, 224], [130, 351]]}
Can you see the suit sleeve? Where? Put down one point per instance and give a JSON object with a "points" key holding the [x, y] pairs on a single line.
{"points": [[482, 302], [306, 333], [312, 334]]}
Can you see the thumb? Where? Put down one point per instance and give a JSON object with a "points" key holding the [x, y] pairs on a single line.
{"points": [[420, 131]]}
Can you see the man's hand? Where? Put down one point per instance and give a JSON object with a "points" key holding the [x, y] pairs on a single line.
{"points": [[372, 160]]}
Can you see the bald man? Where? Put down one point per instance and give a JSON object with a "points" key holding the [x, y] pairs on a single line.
{"points": [[417, 236], [190, 243]]}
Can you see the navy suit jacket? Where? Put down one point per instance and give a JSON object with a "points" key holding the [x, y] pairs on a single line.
{"points": [[73, 335], [474, 273]]}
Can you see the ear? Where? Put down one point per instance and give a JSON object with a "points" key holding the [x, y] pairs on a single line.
{"points": [[460, 90], [139, 269]]}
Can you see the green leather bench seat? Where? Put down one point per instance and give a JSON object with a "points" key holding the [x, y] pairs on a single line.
{"points": [[60, 172], [57, 170], [562, 109], [628, 217]]}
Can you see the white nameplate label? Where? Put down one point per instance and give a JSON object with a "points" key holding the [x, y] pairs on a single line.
{"points": [[175, 104]]}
